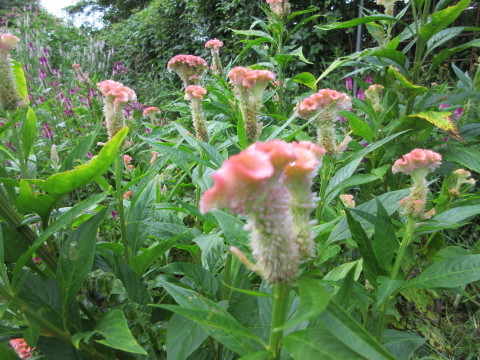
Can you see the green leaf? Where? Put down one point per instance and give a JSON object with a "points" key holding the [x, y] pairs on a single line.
{"points": [[441, 119], [445, 54], [78, 152], [141, 213], [257, 355], [29, 201], [57, 225], [313, 301], [299, 53], [397, 56], [442, 37], [29, 132], [441, 19], [411, 89], [448, 273], [144, 259], [458, 214], [358, 125], [346, 329], [233, 229], [76, 258], [201, 278], [342, 297], [355, 180], [20, 81], [306, 79], [113, 327], [385, 240], [356, 22], [466, 156], [184, 336], [62, 183], [31, 335], [401, 344], [387, 288]]}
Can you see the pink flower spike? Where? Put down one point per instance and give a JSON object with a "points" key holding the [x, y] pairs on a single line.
{"points": [[417, 159], [348, 83], [458, 112], [214, 44], [194, 92], [8, 41]]}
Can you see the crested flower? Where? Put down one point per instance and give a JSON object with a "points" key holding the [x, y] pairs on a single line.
{"points": [[271, 183], [324, 107], [373, 94], [188, 67], [463, 177], [195, 94], [418, 163], [388, 4], [280, 7], [249, 86], [150, 112], [116, 95], [9, 97], [214, 45], [81, 76], [23, 350], [347, 201]]}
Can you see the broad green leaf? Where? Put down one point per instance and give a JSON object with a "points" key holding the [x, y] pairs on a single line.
{"points": [[31, 335], [76, 258], [256, 33], [343, 60], [140, 213], [248, 292], [29, 132], [385, 240], [441, 19], [371, 266], [401, 344], [458, 214], [411, 88], [113, 327], [466, 156], [144, 259], [441, 119], [306, 79], [317, 344], [350, 332], [257, 355], [358, 125], [57, 225], [342, 270], [355, 180], [233, 229], [442, 37], [445, 54], [342, 297], [200, 278], [184, 336], [29, 200], [62, 183], [20, 81], [387, 287], [448, 273], [313, 300], [355, 22], [78, 152], [299, 53], [397, 56], [462, 77]]}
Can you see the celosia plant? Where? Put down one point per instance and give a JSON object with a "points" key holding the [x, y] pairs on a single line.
{"points": [[373, 94], [116, 95], [23, 350], [388, 4], [271, 183], [9, 97], [418, 163], [280, 7], [324, 106], [189, 67], [214, 45], [195, 94], [462, 178], [249, 86]]}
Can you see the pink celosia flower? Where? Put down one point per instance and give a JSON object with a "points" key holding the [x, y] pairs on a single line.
{"points": [[214, 44], [9, 97], [347, 201], [369, 80], [187, 66], [318, 102], [150, 112], [280, 7], [154, 157], [194, 92], [373, 94], [127, 159], [263, 183], [8, 41], [462, 178], [127, 195], [23, 350], [417, 159]]}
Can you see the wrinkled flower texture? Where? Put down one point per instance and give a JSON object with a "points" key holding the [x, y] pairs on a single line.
{"points": [[417, 159], [194, 92], [179, 61], [8, 41], [248, 78], [150, 111], [116, 91], [23, 350], [214, 44], [312, 105], [244, 179]]}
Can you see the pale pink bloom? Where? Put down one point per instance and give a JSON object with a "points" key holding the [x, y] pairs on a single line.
{"points": [[248, 78], [316, 103], [76, 66], [214, 44], [194, 92], [150, 111], [127, 195], [187, 66], [116, 91], [8, 41], [154, 157], [130, 167], [127, 159], [417, 159], [23, 350], [347, 201], [279, 7]]}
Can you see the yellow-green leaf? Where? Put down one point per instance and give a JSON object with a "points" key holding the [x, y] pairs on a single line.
{"points": [[441, 119], [20, 81], [412, 89]]}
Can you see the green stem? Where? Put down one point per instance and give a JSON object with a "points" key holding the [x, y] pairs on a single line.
{"points": [[121, 213], [324, 178], [406, 240], [281, 291]]}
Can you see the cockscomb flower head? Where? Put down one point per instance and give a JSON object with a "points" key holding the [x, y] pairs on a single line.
{"points": [[347, 201], [194, 92], [320, 101], [214, 44], [417, 159], [463, 177], [150, 112], [8, 41], [9, 97], [187, 66], [280, 7], [23, 350], [258, 182]]}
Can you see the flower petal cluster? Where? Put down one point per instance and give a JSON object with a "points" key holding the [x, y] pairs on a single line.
{"points": [[188, 67], [117, 91], [417, 159], [9, 97], [248, 78], [214, 44], [194, 92], [8, 41], [23, 350], [271, 183], [150, 112], [280, 7], [316, 103]]}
